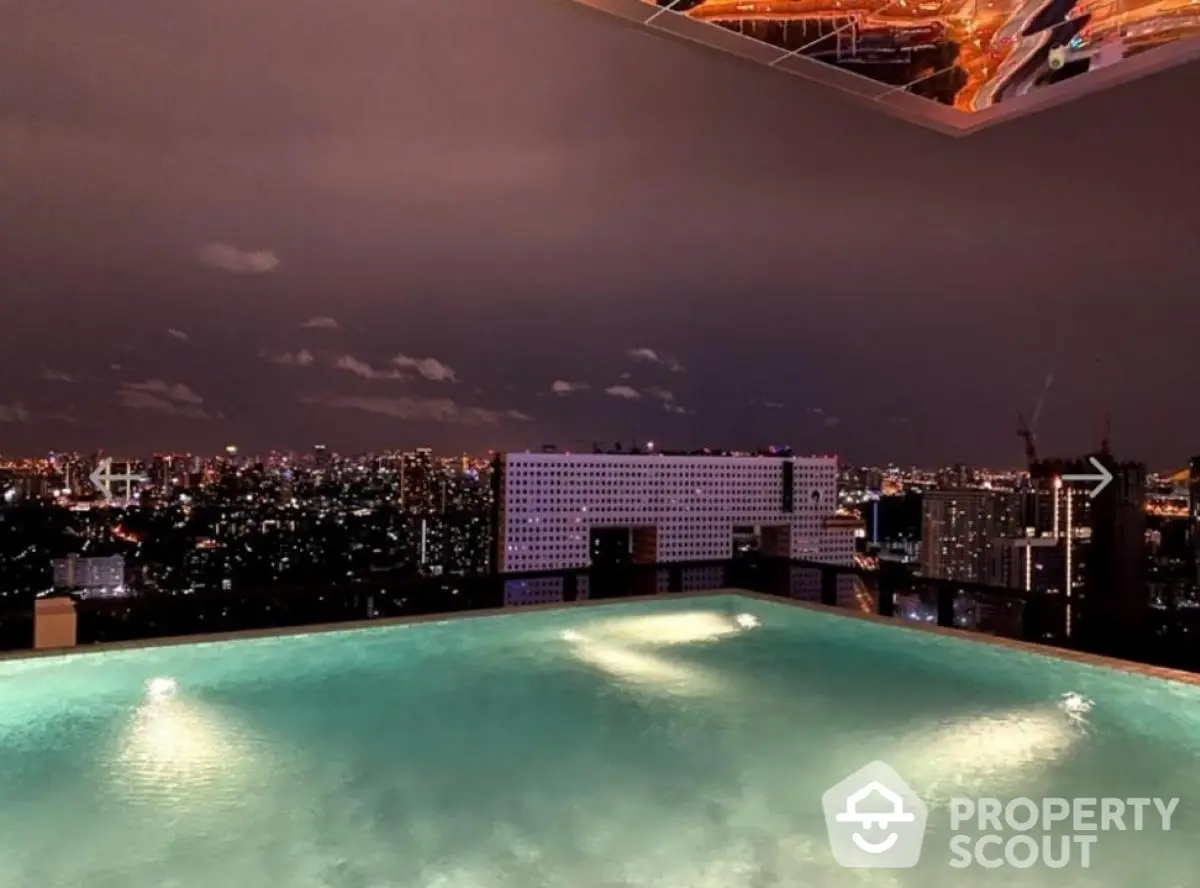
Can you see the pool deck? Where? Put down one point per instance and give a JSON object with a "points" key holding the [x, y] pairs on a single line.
{"points": [[1127, 666]]}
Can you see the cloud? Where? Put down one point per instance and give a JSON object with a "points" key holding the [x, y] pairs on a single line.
{"points": [[235, 261], [430, 368], [771, 405], [563, 387], [14, 412], [421, 409], [351, 364], [174, 392], [401, 367], [675, 408], [660, 394], [67, 417], [301, 358], [173, 399], [623, 391], [652, 356], [828, 419], [177, 334], [320, 323], [57, 376], [899, 420]]}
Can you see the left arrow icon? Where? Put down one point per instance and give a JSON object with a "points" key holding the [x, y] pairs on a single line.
{"points": [[97, 477]]}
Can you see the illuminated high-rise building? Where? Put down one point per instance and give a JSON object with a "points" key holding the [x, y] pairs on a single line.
{"points": [[90, 577], [1104, 545], [1032, 564], [672, 508], [321, 457], [558, 511], [957, 526]]}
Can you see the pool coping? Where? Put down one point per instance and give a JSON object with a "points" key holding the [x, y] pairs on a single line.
{"points": [[1130, 667], [345, 626]]}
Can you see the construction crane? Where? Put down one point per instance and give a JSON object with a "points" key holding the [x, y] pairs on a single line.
{"points": [[1106, 432], [1027, 431]]}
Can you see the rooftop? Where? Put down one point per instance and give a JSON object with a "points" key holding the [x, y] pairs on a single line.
{"points": [[955, 66]]}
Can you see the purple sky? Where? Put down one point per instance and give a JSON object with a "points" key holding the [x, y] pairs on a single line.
{"points": [[525, 193]]}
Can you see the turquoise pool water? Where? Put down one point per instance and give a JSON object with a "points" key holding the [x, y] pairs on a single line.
{"points": [[682, 743]]}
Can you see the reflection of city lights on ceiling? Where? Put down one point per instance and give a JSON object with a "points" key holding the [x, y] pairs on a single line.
{"points": [[988, 33], [572, 635], [747, 621]]}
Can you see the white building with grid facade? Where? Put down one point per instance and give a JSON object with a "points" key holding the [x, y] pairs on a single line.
{"points": [[90, 577], [678, 508]]}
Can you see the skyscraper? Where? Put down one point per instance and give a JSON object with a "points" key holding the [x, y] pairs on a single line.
{"points": [[1104, 547], [1033, 564], [90, 577], [321, 457], [558, 511], [957, 526], [668, 507]]}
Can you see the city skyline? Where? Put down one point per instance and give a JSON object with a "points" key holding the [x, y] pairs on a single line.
{"points": [[120, 461], [261, 530], [902, 296]]}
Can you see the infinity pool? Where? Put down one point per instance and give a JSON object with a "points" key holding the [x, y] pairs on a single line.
{"points": [[683, 743]]}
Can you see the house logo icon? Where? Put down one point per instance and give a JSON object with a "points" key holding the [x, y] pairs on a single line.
{"points": [[875, 819]]}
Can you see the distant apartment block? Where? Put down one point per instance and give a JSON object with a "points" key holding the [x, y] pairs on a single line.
{"points": [[1034, 564], [558, 511], [1104, 540], [957, 527], [90, 577]]}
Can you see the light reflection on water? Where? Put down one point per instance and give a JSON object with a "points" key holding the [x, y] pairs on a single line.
{"points": [[174, 748]]}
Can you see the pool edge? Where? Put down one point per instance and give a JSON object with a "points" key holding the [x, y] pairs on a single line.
{"points": [[347, 626], [1144, 670], [1129, 667]]}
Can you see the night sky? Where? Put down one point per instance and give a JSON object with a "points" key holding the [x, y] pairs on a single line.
{"points": [[384, 224]]}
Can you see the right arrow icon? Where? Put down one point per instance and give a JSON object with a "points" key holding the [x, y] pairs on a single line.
{"points": [[1101, 479]]}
